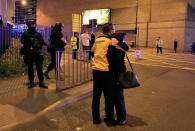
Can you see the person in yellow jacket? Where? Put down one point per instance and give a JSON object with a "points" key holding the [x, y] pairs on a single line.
{"points": [[159, 45], [75, 44], [102, 78]]}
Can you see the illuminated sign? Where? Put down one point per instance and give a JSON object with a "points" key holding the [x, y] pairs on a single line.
{"points": [[102, 16]]}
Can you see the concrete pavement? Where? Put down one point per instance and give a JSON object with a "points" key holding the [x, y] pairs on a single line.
{"points": [[18, 104], [164, 102], [30, 107]]}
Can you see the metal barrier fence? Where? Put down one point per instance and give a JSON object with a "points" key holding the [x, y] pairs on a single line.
{"points": [[10, 43], [72, 72]]}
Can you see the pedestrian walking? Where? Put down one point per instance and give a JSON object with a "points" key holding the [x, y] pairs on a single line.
{"points": [[159, 45], [91, 42], [75, 44], [102, 78], [57, 44], [115, 55], [175, 46], [193, 48], [32, 45]]}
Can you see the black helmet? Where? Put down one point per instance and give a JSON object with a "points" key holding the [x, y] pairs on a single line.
{"points": [[59, 24], [30, 24]]}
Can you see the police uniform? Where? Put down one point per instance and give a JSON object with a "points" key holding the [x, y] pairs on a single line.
{"points": [[57, 45], [32, 44]]}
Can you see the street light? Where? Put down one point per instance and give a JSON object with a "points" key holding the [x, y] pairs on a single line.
{"points": [[23, 2]]}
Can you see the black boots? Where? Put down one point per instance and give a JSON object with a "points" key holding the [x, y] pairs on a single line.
{"points": [[97, 120], [46, 75], [110, 122], [42, 85], [31, 85]]}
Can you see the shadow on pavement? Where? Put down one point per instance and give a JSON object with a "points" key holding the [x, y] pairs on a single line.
{"points": [[38, 99], [39, 123], [134, 121]]}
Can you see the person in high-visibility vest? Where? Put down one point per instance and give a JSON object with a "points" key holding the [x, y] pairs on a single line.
{"points": [[75, 44], [159, 45]]}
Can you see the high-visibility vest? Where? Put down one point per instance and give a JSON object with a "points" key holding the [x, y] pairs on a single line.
{"points": [[74, 42], [159, 43]]}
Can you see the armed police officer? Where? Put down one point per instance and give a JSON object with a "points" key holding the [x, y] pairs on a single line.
{"points": [[57, 44], [32, 45]]}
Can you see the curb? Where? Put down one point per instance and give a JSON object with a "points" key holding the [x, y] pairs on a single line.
{"points": [[61, 103]]}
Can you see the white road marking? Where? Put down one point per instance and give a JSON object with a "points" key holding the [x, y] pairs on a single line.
{"points": [[155, 61], [183, 68]]}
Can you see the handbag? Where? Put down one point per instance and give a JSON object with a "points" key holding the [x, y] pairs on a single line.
{"points": [[129, 79]]}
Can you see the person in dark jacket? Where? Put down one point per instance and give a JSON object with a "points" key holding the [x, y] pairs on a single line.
{"points": [[57, 44], [175, 46], [115, 56], [91, 42], [32, 45], [193, 48]]}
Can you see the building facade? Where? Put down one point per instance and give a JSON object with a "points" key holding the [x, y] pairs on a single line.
{"points": [[26, 12], [169, 19]]}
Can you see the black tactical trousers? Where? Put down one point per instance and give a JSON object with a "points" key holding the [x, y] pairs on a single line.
{"points": [[30, 59], [102, 83], [52, 65]]}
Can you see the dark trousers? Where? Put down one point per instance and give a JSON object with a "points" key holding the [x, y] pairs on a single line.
{"points": [[30, 59], [74, 53], [175, 49], [119, 100], [52, 65], [102, 83], [91, 54], [159, 48]]}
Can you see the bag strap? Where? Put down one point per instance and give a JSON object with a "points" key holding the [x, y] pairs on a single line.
{"points": [[126, 56], [129, 62]]}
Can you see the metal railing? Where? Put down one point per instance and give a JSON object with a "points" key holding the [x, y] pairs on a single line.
{"points": [[10, 43], [72, 72], [69, 72]]}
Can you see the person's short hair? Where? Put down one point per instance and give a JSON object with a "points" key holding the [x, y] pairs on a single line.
{"points": [[85, 31], [75, 33], [119, 36], [107, 27]]}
